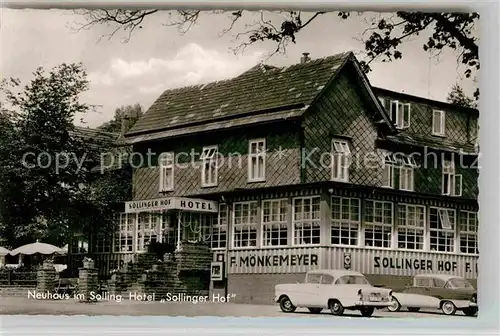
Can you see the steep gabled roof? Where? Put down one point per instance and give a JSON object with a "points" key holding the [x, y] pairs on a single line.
{"points": [[261, 88]]}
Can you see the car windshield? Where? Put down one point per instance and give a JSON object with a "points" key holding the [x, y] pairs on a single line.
{"points": [[352, 280], [459, 283]]}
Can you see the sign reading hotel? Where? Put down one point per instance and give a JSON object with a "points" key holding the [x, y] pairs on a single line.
{"points": [[172, 203]]}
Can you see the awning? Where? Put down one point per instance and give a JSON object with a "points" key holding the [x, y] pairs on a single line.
{"points": [[172, 203]]}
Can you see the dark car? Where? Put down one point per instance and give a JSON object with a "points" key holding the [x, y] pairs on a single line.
{"points": [[448, 293]]}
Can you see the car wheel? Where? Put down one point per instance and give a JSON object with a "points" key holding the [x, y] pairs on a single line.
{"points": [[448, 308], [367, 311], [472, 311], [413, 309], [286, 305], [336, 307], [395, 305], [315, 310]]}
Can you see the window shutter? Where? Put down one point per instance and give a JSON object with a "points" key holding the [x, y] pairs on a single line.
{"points": [[458, 185], [436, 122], [394, 111], [406, 115]]}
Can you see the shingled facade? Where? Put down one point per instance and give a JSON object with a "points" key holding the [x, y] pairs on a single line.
{"points": [[310, 167]]}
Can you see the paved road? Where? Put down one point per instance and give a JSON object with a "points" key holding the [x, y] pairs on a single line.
{"points": [[26, 306]]}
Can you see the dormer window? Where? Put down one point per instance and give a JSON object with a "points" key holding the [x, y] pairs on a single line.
{"points": [[400, 114], [438, 123]]}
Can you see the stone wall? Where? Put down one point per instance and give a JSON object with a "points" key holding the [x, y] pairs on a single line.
{"points": [[186, 271]]}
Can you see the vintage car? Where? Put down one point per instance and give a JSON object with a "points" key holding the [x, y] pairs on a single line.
{"points": [[448, 293], [337, 290]]}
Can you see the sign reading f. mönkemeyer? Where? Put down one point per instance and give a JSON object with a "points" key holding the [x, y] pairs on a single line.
{"points": [[172, 203]]}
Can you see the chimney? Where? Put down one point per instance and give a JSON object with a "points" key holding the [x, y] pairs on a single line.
{"points": [[305, 57], [125, 124]]}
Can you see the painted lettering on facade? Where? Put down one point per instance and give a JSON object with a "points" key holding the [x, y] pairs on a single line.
{"points": [[422, 264], [172, 203], [274, 260]]}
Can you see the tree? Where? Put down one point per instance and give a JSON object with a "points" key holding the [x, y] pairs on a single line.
{"points": [[458, 97], [49, 186], [132, 112], [382, 39]]}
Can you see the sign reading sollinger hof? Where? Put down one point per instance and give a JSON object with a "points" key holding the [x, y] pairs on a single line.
{"points": [[172, 203]]}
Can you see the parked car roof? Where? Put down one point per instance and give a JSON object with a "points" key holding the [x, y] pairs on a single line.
{"points": [[334, 272], [444, 277]]}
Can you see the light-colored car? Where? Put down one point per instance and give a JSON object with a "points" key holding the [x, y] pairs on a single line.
{"points": [[448, 293], [337, 290]]}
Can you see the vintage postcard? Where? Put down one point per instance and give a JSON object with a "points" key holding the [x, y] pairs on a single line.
{"points": [[239, 163]]}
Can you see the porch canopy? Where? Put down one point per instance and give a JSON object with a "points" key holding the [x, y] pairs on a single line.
{"points": [[172, 203]]}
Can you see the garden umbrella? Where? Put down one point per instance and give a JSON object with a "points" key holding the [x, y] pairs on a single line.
{"points": [[4, 251], [37, 247]]}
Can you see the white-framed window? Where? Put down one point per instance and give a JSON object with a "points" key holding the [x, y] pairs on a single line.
{"points": [[452, 182], [257, 160], [148, 229], [400, 114], [166, 164], [340, 160], [124, 240], [438, 122], [306, 220], [468, 232], [275, 222], [411, 227], [209, 167], [345, 221], [196, 227], [407, 173], [219, 229], [244, 224], [389, 168], [442, 229], [406, 178], [378, 223]]}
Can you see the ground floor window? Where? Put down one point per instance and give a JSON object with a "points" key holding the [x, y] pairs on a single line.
{"points": [[442, 229], [196, 227], [345, 221], [124, 240], [275, 222], [411, 227], [245, 224], [378, 223], [306, 220], [103, 243], [148, 230], [219, 229], [79, 244], [468, 231]]}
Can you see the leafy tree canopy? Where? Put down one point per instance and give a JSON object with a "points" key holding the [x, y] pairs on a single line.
{"points": [[382, 39], [49, 185]]}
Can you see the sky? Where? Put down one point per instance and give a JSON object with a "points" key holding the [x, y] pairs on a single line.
{"points": [[159, 57]]}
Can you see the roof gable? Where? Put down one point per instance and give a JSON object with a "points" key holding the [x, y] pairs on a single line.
{"points": [[258, 89]]}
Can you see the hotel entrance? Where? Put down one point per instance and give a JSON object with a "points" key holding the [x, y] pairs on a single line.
{"points": [[167, 220]]}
